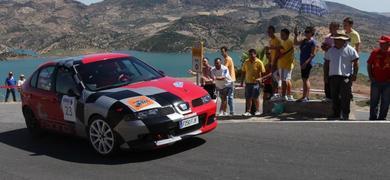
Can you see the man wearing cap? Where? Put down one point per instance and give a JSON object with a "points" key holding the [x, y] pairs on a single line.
{"points": [[10, 83], [341, 65], [378, 67]]}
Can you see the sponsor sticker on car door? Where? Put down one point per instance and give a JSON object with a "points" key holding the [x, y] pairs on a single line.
{"points": [[68, 105]]}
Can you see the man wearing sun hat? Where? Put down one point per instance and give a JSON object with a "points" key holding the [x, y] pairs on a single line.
{"points": [[378, 67], [341, 66]]}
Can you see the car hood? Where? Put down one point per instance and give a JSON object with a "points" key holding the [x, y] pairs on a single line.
{"points": [[147, 95], [183, 89]]}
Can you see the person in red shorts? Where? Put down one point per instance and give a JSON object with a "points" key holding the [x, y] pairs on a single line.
{"points": [[378, 67]]}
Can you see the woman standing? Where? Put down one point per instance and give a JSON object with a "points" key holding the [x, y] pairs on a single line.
{"points": [[308, 47], [206, 79]]}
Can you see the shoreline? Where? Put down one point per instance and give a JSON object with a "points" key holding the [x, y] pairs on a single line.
{"points": [[60, 53]]}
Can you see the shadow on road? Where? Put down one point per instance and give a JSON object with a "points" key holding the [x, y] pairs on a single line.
{"points": [[73, 149]]}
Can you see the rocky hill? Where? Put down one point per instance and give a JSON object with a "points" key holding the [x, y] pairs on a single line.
{"points": [[162, 25], [385, 14]]}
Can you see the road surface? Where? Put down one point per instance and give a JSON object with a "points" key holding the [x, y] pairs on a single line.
{"points": [[237, 149]]}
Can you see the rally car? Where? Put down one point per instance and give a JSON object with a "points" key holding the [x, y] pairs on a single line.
{"points": [[115, 101]]}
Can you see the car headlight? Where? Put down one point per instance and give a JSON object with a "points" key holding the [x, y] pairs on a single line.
{"points": [[206, 99], [201, 101]]}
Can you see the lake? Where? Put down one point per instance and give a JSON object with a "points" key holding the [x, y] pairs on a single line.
{"points": [[172, 64]]}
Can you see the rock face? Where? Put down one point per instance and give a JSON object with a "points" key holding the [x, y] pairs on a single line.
{"points": [[161, 25]]}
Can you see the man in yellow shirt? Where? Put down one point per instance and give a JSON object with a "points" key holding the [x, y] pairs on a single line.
{"points": [[228, 62], [274, 49], [252, 71], [286, 64], [353, 35], [274, 44]]}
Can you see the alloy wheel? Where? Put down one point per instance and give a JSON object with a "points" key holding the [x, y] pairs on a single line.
{"points": [[101, 137]]}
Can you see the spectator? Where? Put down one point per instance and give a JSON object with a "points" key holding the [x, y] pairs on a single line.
{"points": [[223, 82], [353, 35], [10, 84], [326, 45], [341, 65], [286, 64], [252, 70], [230, 65], [206, 79], [21, 82], [308, 47], [378, 67], [267, 79], [274, 49]]}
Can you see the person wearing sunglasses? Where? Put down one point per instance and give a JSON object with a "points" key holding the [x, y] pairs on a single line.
{"points": [[308, 48]]}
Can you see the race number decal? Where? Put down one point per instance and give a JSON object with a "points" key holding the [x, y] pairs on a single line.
{"points": [[68, 105]]}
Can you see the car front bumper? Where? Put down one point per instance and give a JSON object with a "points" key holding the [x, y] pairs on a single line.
{"points": [[138, 136]]}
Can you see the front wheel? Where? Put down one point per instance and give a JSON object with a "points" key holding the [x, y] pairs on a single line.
{"points": [[102, 137]]}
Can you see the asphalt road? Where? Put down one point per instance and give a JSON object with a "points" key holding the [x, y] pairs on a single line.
{"points": [[235, 150]]}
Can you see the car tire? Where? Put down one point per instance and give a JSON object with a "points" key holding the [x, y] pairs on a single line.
{"points": [[32, 123], [102, 137]]}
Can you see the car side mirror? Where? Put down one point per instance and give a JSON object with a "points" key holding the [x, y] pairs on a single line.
{"points": [[74, 93]]}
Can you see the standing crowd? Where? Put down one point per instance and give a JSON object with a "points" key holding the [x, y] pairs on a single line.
{"points": [[11, 85], [273, 77]]}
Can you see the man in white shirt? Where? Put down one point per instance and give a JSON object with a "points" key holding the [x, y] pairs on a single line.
{"points": [[21, 82], [223, 83], [341, 66]]}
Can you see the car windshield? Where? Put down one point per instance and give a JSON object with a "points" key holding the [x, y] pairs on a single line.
{"points": [[115, 73]]}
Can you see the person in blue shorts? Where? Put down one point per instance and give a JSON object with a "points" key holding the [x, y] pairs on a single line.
{"points": [[252, 72]]}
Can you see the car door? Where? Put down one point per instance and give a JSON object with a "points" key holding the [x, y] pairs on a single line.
{"points": [[67, 94], [47, 105]]}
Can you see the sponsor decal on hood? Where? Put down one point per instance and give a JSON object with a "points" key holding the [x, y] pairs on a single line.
{"points": [[141, 103]]}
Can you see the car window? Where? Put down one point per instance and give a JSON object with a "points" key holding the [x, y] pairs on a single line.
{"points": [[45, 78], [34, 78], [138, 69], [115, 73], [64, 80]]}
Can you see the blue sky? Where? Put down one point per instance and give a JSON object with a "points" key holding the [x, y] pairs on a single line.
{"points": [[370, 5]]}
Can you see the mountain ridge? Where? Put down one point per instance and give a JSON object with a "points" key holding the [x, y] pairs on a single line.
{"points": [[162, 25]]}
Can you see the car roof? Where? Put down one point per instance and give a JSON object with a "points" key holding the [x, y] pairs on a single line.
{"points": [[86, 59]]}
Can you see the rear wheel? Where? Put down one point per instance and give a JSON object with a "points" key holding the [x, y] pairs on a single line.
{"points": [[32, 123], [102, 137]]}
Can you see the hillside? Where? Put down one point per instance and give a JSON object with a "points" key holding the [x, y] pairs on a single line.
{"points": [[385, 14], [161, 25]]}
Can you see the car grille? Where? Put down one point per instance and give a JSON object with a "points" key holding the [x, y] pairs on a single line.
{"points": [[166, 111]]}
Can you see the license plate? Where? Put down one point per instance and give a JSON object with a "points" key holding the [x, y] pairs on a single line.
{"points": [[188, 122]]}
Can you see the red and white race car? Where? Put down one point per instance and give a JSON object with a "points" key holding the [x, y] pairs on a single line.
{"points": [[115, 100]]}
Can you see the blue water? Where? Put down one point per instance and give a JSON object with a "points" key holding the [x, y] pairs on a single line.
{"points": [[172, 64]]}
